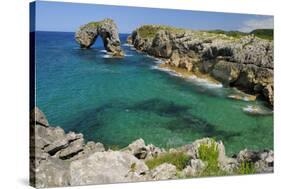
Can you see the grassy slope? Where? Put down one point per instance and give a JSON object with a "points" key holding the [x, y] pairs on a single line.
{"points": [[149, 31]]}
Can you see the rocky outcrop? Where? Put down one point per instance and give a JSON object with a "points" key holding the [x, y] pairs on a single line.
{"points": [[64, 159], [245, 62], [107, 30]]}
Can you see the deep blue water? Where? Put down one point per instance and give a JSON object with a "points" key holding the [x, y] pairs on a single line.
{"points": [[115, 101]]}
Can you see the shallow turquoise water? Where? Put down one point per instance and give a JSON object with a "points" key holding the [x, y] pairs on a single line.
{"points": [[115, 101]]}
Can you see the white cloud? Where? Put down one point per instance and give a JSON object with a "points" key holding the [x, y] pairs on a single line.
{"points": [[253, 24]]}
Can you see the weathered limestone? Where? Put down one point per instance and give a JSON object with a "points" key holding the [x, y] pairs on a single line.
{"points": [[107, 30], [105, 167]]}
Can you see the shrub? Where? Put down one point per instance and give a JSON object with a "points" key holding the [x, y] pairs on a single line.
{"points": [[209, 154], [179, 159]]}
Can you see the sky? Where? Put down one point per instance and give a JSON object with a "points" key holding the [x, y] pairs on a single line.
{"points": [[68, 17]]}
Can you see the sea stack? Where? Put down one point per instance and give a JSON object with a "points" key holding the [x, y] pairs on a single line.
{"points": [[107, 30]]}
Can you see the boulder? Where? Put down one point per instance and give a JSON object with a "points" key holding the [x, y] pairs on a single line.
{"points": [[105, 167], [163, 172], [52, 173], [194, 169], [141, 151]]}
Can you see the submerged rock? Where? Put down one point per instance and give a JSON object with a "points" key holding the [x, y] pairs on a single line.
{"points": [[107, 30]]}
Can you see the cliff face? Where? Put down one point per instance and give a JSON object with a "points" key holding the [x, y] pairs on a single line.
{"points": [[106, 29], [64, 159], [245, 62]]}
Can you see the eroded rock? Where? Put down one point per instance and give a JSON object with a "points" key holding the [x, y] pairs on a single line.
{"points": [[105, 167], [107, 30]]}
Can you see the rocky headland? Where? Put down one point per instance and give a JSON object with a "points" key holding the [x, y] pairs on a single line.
{"points": [[107, 30], [64, 159], [244, 62]]}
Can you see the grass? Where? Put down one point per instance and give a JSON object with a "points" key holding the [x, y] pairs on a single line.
{"points": [[263, 33], [209, 154], [234, 34], [97, 24], [246, 168], [149, 31], [179, 159]]}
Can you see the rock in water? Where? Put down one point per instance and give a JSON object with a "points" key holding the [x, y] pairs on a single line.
{"points": [[107, 30]]}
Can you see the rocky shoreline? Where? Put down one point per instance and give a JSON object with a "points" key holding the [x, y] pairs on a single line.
{"points": [[244, 62], [64, 159]]}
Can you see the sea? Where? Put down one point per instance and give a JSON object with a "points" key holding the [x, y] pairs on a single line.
{"points": [[118, 100]]}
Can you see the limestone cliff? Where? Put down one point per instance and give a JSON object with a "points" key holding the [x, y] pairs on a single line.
{"points": [[106, 29], [245, 62]]}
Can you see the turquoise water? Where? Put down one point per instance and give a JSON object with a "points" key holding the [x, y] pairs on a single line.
{"points": [[115, 101]]}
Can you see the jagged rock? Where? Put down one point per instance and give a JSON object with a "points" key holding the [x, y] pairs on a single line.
{"points": [[263, 161], [225, 72], [106, 29], [161, 45], [38, 117], [59, 159], [141, 151], [105, 167], [72, 149], [194, 169], [52, 173], [164, 171]]}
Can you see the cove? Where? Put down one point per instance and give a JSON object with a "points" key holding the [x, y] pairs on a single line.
{"points": [[115, 101]]}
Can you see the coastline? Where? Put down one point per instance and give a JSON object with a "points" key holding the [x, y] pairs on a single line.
{"points": [[66, 160], [230, 61]]}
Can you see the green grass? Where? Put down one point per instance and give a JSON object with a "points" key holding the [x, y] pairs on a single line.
{"points": [[149, 31], [246, 168], [179, 159], [97, 24], [234, 34], [263, 33], [209, 154]]}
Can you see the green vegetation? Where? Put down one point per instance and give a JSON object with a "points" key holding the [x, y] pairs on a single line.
{"points": [[94, 24], [179, 159], [246, 168], [235, 34], [149, 31], [209, 154], [263, 33], [97, 24], [133, 167]]}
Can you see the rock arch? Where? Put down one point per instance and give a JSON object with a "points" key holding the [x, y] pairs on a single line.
{"points": [[87, 34]]}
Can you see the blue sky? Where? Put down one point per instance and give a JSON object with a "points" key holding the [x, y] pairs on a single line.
{"points": [[56, 16]]}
